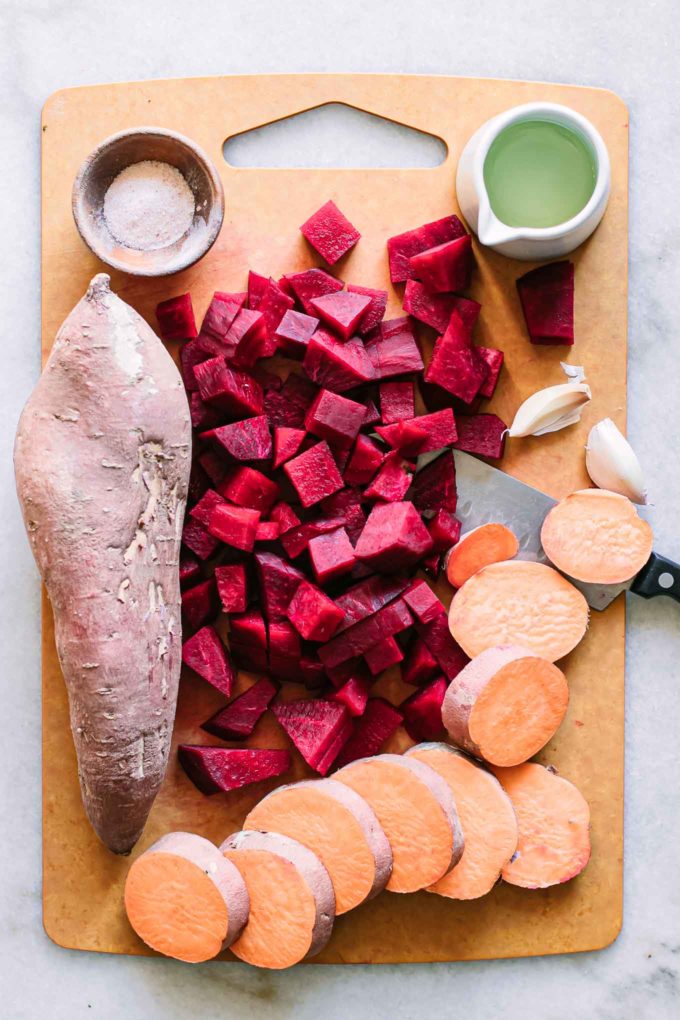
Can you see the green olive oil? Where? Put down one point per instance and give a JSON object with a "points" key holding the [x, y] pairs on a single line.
{"points": [[538, 174]]}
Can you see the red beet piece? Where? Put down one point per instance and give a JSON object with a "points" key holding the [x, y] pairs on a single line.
{"points": [[312, 672], [199, 604], [205, 506], [353, 695], [447, 652], [234, 525], [250, 336], [239, 718], [220, 315], [287, 442], [273, 305], [342, 311], [214, 466], [245, 440], [420, 664], [207, 656], [547, 298], [368, 597], [392, 481], [455, 365], [257, 285], [444, 268], [444, 530], [310, 284], [336, 365], [483, 434], [245, 486], [267, 531], [422, 601], [346, 504], [335, 418], [403, 247], [197, 538], [176, 318], [391, 619], [296, 540], [248, 630], [330, 233], [278, 581], [372, 414], [365, 460], [313, 614], [423, 711], [435, 309], [232, 587], [314, 474], [235, 392], [383, 655], [189, 569], [439, 429], [394, 350], [294, 333], [374, 312], [202, 416], [407, 437], [331, 555], [220, 769], [198, 482], [397, 402], [434, 486], [379, 721], [287, 407], [432, 565], [285, 517], [493, 360], [285, 650], [394, 537], [195, 352], [314, 727]]}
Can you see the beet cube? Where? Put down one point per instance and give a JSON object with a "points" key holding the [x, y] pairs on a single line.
{"points": [[356, 640], [437, 636], [422, 601], [267, 531], [287, 442], [198, 482], [214, 466], [245, 486], [434, 486], [331, 555], [397, 402], [458, 369], [195, 352], [176, 318], [296, 540], [372, 414], [312, 672], [248, 630], [330, 233], [287, 407], [245, 440], [220, 769], [239, 718], [407, 437], [202, 416], [232, 587], [310, 284], [404, 246], [368, 597], [278, 581], [423, 711], [234, 525], [257, 285], [342, 311], [314, 474], [493, 360], [220, 315], [294, 333], [353, 695], [439, 431], [383, 655], [335, 418], [314, 727], [393, 538], [365, 460], [313, 614], [207, 656], [234, 392], [380, 721], [444, 530], [394, 350], [336, 365], [375, 311], [189, 570], [205, 506], [273, 305], [392, 481], [285, 650], [285, 517], [432, 565], [199, 604], [483, 434], [547, 298], [346, 504], [251, 339], [420, 664], [435, 309], [444, 268], [197, 538]]}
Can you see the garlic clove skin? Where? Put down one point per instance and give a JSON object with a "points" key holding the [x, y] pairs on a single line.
{"points": [[550, 409], [612, 463]]}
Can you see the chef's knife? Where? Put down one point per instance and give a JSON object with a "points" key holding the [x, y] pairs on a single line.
{"points": [[487, 495]]}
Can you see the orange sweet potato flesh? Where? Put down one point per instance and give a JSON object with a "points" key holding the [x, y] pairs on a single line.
{"points": [[490, 543], [486, 816], [597, 536], [518, 603], [554, 822]]}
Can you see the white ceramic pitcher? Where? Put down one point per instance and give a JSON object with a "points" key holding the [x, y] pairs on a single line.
{"points": [[529, 243]]}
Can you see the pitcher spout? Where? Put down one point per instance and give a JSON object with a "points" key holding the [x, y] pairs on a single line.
{"points": [[491, 232]]}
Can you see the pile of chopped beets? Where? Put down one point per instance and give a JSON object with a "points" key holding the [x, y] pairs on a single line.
{"points": [[311, 513]]}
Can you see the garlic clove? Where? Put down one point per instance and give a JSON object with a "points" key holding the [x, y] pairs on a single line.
{"points": [[550, 409], [612, 463]]}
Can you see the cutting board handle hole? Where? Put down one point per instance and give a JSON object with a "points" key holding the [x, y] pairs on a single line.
{"points": [[335, 135]]}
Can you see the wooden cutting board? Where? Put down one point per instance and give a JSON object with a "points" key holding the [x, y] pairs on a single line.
{"points": [[83, 882]]}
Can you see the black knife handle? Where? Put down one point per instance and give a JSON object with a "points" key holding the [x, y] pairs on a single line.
{"points": [[659, 576]]}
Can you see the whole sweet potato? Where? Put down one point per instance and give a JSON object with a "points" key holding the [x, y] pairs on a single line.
{"points": [[102, 460]]}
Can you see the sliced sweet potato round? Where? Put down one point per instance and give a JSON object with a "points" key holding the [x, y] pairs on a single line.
{"points": [[184, 899], [597, 536], [486, 816], [417, 812], [339, 826], [292, 905], [518, 602], [489, 543]]}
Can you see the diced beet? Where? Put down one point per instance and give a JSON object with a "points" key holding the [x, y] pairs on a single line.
{"points": [[239, 718], [232, 587], [394, 537], [287, 407], [439, 428], [267, 531], [397, 402], [197, 538], [392, 481], [285, 650], [493, 360], [340, 456], [365, 460], [294, 333], [547, 298], [444, 530], [330, 233], [435, 309], [195, 352], [312, 673], [423, 711], [199, 604], [310, 284], [245, 486], [347, 505], [375, 311], [372, 414], [394, 350], [341, 311], [422, 601], [249, 657], [285, 517], [434, 486], [198, 482], [202, 415], [339, 674], [483, 434], [353, 695], [250, 336], [368, 597], [248, 630], [331, 555], [273, 305], [314, 474], [335, 418], [205, 506], [245, 440], [220, 769], [404, 246], [234, 525], [235, 392], [336, 365], [176, 318], [447, 267], [432, 564], [296, 540], [455, 365], [379, 721], [407, 437], [287, 442], [383, 655], [207, 656], [189, 569], [420, 664], [285, 286], [257, 285], [221, 313], [278, 581], [215, 467], [447, 652], [313, 614], [391, 619], [314, 727]]}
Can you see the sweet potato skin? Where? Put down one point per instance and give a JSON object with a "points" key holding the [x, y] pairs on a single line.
{"points": [[102, 459]]}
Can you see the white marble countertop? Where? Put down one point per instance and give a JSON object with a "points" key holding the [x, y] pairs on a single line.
{"points": [[630, 48]]}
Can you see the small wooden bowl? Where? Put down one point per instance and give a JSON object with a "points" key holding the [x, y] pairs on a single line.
{"points": [[120, 151]]}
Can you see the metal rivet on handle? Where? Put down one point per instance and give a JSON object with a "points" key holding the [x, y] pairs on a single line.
{"points": [[666, 580]]}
